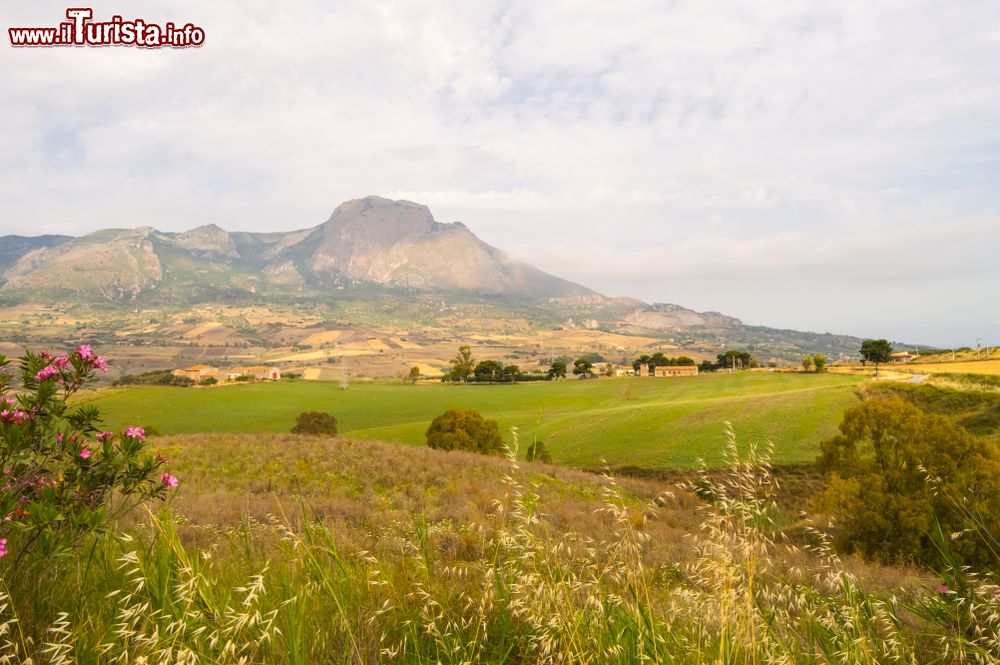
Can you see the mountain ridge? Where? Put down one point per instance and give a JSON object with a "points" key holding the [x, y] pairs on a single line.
{"points": [[373, 240]]}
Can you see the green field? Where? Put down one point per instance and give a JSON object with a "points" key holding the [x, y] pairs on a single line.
{"points": [[641, 422]]}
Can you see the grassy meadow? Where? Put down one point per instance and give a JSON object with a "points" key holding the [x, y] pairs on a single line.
{"points": [[649, 423]]}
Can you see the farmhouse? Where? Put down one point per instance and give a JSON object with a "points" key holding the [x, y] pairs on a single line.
{"points": [[901, 357], [196, 372], [677, 370], [260, 372]]}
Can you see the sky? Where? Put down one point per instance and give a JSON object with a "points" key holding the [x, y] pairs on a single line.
{"points": [[832, 167]]}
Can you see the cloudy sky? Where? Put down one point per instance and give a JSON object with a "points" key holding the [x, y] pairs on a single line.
{"points": [[823, 166]]}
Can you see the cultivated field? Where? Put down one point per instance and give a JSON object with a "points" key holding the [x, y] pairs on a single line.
{"points": [[961, 367], [626, 422]]}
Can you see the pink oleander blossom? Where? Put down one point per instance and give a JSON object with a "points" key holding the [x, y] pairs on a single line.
{"points": [[8, 400], [13, 416], [85, 351], [105, 436], [46, 373], [59, 438], [168, 480], [943, 588], [85, 454], [62, 362], [100, 363], [3, 547], [134, 432]]}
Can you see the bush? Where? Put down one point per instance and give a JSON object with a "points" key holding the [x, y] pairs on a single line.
{"points": [[208, 381], [537, 452], [461, 429], [315, 422], [64, 478], [896, 471]]}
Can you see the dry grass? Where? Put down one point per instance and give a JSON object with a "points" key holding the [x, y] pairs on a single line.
{"points": [[286, 549]]}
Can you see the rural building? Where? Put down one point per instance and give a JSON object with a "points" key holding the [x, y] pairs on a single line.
{"points": [[677, 370], [643, 369], [261, 372], [901, 357], [196, 372]]}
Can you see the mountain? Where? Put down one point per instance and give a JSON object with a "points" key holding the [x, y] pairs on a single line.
{"points": [[373, 240], [13, 248], [376, 261]]}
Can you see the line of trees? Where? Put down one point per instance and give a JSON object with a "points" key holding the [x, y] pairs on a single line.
{"points": [[658, 359]]}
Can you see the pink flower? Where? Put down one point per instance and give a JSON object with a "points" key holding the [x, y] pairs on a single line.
{"points": [[3, 547], [104, 436], [46, 373], [14, 416], [85, 351], [100, 363], [84, 453], [168, 480], [943, 588], [134, 432], [8, 400], [62, 362]]}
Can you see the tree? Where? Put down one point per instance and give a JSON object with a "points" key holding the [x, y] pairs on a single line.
{"points": [[735, 360], [819, 360], [537, 452], [807, 363], [876, 351], [557, 370], [414, 375], [640, 361], [583, 367], [489, 370], [462, 429], [462, 365], [894, 470], [511, 372], [609, 369], [315, 422]]}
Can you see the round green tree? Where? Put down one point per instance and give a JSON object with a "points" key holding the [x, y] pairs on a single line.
{"points": [[463, 429], [315, 422]]}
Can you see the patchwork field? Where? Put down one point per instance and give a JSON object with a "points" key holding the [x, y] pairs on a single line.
{"points": [[651, 423]]}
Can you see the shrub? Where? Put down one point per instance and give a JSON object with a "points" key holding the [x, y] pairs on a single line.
{"points": [[208, 381], [461, 429], [62, 477], [895, 470], [537, 452], [315, 422]]}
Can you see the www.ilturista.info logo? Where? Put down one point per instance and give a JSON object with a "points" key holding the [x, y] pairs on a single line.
{"points": [[81, 30]]}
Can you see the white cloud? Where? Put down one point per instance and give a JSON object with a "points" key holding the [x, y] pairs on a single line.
{"points": [[733, 133]]}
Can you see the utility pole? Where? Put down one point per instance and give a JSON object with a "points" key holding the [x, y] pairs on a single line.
{"points": [[979, 341]]}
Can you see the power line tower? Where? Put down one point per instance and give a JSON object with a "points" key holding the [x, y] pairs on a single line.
{"points": [[345, 375]]}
